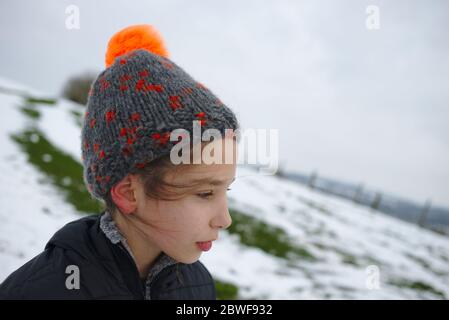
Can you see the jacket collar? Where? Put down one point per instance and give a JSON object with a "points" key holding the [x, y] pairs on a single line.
{"points": [[111, 231]]}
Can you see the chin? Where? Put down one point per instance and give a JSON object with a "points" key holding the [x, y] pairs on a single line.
{"points": [[188, 259]]}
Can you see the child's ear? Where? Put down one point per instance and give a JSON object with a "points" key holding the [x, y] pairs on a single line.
{"points": [[123, 194]]}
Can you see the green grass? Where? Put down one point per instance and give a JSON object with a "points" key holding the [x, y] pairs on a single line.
{"points": [[361, 261], [417, 285], [31, 112], [273, 240], [423, 263], [40, 100], [77, 115], [226, 291], [349, 259], [63, 171], [314, 205]]}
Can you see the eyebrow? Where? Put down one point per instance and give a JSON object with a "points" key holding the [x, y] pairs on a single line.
{"points": [[212, 181]]}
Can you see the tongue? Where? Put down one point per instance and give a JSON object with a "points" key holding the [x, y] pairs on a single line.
{"points": [[205, 246]]}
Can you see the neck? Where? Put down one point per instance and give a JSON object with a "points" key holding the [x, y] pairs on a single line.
{"points": [[144, 252]]}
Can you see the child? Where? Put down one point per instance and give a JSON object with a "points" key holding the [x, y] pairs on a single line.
{"points": [[160, 215]]}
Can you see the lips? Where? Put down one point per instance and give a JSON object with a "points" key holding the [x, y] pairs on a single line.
{"points": [[204, 245]]}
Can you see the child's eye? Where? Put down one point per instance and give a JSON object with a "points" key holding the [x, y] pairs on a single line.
{"points": [[205, 195]]}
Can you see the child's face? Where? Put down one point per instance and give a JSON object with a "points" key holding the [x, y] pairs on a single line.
{"points": [[176, 226]]}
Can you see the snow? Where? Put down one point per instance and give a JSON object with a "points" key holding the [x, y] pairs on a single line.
{"points": [[60, 128], [394, 244], [328, 227], [31, 211]]}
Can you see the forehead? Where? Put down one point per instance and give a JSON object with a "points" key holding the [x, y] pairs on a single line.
{"points": [[213, 174], [222, 151]]}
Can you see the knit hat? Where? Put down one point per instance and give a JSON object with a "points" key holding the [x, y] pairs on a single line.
{"points": [[134, 105]]}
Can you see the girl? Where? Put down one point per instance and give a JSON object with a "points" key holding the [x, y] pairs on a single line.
{"points": [[160, 215]]}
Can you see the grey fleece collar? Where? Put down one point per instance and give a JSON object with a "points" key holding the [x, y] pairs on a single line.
{"points": [[109, 228]]}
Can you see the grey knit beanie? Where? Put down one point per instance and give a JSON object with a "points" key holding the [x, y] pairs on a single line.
{"points": [[135, 103]]}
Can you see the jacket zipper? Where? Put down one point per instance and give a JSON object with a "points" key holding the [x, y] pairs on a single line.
{"points": [[158, 275], [143, 290]]}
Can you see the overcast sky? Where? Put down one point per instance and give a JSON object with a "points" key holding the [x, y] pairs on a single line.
{"points": [[360, 105]]}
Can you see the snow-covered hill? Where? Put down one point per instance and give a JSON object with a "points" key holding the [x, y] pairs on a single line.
{"points": [[286, 241]]}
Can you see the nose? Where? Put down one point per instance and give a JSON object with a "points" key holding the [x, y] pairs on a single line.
{"points": [[223, 219]]}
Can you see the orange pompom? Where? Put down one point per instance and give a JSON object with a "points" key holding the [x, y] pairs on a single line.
{"points": [[143, 36]]}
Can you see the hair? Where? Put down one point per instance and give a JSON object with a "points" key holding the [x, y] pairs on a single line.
{"points": [[152, 177]]}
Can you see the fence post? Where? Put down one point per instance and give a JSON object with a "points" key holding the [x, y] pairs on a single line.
{"points": [[312, 179], [358, 193], [376, 202], [424, 213]]}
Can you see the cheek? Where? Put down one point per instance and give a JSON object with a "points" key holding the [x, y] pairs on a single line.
{"points": [[189, 219], [174, 220], [174, 226]]}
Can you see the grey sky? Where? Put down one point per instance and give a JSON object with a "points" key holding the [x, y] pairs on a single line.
{"points": [[359, 105]]}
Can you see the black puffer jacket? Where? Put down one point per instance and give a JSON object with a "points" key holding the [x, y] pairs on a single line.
{"points": [[107, 271]]}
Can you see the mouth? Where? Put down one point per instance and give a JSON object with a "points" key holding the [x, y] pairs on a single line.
{"points": [[204, 245]]}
